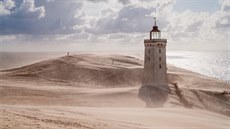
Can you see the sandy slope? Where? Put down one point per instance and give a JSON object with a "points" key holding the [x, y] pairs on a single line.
{"points": [[24, 117], [97, 91], [84, 69]]}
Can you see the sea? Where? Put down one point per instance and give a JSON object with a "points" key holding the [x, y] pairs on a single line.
{"points": [[209, 63]]}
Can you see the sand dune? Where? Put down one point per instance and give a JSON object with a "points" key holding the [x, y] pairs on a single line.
{"points": [[100, 91], [17, 59], [25, 117], [107, 71]]}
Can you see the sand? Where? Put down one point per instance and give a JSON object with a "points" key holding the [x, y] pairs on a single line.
{"points": [[88, 91]]}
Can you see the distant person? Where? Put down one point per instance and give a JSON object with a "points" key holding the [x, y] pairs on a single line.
{"points": [[113, 62], [67, 53]]}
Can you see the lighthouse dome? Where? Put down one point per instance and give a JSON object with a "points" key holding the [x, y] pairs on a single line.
{"points": [[155, 33], [155, 29]]}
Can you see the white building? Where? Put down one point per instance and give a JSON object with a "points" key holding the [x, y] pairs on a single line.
{"points": [[155, 67]]}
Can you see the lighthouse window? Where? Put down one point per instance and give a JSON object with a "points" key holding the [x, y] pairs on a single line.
{"points": [[159, 50], [159, 58], [149, 51], [160, 66]]}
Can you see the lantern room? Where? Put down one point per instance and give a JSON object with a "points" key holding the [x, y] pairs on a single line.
{"points": [[155, 33]]}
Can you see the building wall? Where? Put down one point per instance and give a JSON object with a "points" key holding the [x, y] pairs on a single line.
{"points": [[155, 68]]}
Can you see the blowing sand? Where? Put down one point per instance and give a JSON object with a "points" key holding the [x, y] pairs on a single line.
{"points": [[88, 91]]}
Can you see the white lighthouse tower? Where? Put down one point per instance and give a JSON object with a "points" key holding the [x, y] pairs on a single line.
{"points": [[155, 69]]}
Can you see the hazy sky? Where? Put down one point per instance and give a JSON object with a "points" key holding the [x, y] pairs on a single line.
{"points": [[112, 25]]}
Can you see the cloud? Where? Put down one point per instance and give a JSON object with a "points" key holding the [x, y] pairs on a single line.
{"points": [[97, 0], [122, 21], [42, 17], [225, 5], [124, 2], [6, 6], [27, 10], [135, 17], [126, 20], [132, 22], [223, 16]]}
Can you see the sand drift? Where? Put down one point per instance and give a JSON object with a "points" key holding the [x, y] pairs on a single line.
{"points": [[102, 84]]}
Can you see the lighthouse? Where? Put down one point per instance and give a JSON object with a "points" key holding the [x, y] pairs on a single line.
{"points": [[154, 90], [155, 67]]}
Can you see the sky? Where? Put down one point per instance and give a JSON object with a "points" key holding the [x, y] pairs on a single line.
{"points": [[112, 25]]}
